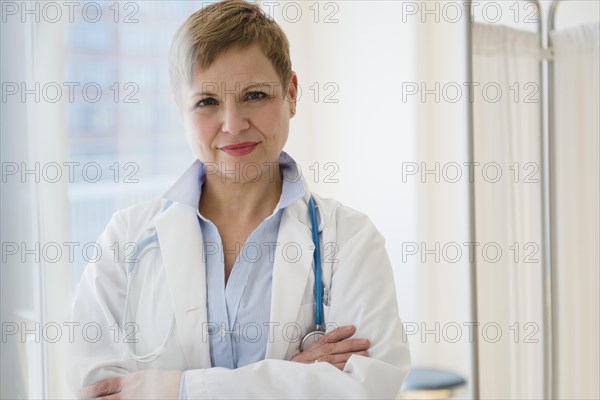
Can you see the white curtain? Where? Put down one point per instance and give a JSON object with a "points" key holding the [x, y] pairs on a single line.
{"points": [[575, 206], [508, 210]]}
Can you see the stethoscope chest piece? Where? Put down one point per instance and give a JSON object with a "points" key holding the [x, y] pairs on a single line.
{"points": [[312, 337]]}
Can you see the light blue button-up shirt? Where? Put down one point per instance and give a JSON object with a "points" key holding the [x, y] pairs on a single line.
{"points": [[238, 314]]}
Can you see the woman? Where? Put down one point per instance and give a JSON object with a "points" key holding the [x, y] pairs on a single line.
{"points": [[224, 286]]}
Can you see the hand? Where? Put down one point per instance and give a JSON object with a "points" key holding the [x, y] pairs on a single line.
{"points": [[335, 348], [151, 384]]}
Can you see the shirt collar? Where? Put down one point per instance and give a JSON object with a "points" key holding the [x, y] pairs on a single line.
{"points": [[188, 188]]}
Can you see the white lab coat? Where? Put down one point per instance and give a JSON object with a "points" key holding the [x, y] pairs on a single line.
{"points": [[358, 282]]}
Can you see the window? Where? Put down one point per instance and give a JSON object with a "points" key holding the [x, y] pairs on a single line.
{"points": [[123, 127]]}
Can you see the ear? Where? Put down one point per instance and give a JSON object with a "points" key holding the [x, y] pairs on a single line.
{"points": [[292, 93]]}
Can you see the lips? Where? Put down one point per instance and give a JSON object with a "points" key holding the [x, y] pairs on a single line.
{"points": [[240, 149]]}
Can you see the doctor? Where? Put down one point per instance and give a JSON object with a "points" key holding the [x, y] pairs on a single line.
{"points": [[220, 290]]}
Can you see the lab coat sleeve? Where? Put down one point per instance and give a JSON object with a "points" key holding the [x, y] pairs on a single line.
{"points": [[362, 294], [98, 352]]}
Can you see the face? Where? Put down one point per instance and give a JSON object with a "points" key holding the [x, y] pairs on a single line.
{"points": [[235, 112]]}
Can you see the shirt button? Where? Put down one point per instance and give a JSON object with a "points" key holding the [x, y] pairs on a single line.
{"points": [[222, 332]]}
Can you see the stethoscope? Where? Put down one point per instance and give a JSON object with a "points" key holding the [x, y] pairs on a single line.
{"points": [[313, 335], [318, 330], [143, 248]]}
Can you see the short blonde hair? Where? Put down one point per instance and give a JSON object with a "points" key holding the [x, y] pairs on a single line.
{"points": [[214, 29]]}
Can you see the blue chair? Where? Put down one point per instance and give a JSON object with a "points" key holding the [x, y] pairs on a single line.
{"points": [[427, 383]]}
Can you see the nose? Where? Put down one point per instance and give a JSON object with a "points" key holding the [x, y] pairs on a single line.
{"points": [[234, 119]]}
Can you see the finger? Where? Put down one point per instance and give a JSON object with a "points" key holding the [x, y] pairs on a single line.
{"points": [[114, 396], [340, 366], [340, 333], [340, 358], [102, 388], [345, 346], [343, 358]]}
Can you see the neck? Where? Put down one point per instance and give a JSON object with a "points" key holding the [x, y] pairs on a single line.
{"points": [[240, 201]]}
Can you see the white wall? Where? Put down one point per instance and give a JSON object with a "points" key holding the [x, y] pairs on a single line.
{"points": [[371, 53]]}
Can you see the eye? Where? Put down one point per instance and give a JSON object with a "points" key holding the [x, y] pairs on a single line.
{"points": [[254, 96], [206, 102]]}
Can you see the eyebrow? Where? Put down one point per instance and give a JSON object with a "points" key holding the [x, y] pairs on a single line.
{"points": [[259, 84], [244, 89]]}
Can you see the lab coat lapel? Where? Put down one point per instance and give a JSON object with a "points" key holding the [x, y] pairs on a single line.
{"points": [[181, 245], [290, 275]]}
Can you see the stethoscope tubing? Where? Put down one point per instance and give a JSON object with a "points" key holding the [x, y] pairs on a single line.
{"points": [[317, 259]]}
